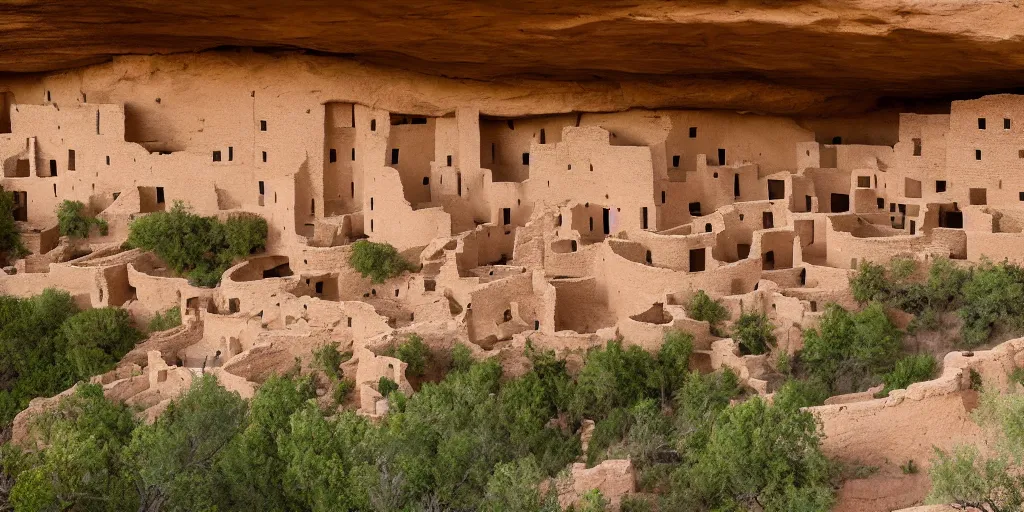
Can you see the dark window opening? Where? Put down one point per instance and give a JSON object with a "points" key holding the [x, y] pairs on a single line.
{"points": [[262, 188], [917, 147], [707, 227], [333, 156], [721, 156], [419, 120], [394, 156], [159, 195], [1006, 123], [953, 220], [426, 180], [840, 202], [1020, 195], [880, 203], [892, 207], [352, 188], [803, 276], [312, 207], [536, 323], [543, 139], [767, 220], [977, 154], [648, 258], [837, 140], [506, 215], [319, 287], [373, 125], [216, 156], [234, 306], [981, 123], [371, 204], [913, 227], [54, 190], [574, 246], [675, 160], [940, 186], [264, 157], [643, 218], [777, 190], [694, 209], [449, 160], [458, 182], [697, 260], [231, 153], [108, 159], [662, 197], [353, 154], [53, 167], [71, 159], [693, 132], [591, 223], [526, 159], [768, 262], [559, 220], [863, 181], [263, 126], [808, 202], [736, 185]]}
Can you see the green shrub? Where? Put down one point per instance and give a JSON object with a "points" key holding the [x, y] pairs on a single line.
{"points": [[848, 350], [378, 261], [386, 386], [10, 239], [909, 467], [414, 353], [168, 320], [672, 363], [328, 359], [704, 308], [200, 247], [342, 389], [462, 358], [754, 332], [73, 220], [47, 344], [908, 370]]}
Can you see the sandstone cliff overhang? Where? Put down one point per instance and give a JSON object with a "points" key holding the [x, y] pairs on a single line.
{"points": [[771, 56]]}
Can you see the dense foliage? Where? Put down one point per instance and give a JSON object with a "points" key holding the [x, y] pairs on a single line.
{"points": [[74, 221], [849, 351], [378, 261], [167, 320], [47, 344], [993, 482], [474, 441], [703, 308], [201, 248], [754, 332], [987, 297], [10, 239]]}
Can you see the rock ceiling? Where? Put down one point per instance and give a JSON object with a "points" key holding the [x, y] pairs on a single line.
{"points": [[773, 55]]}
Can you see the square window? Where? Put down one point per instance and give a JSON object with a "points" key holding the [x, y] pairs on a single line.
{"points": [[863, 181], [981, 123], [263, 126], [216, 156], [940, 186], [693, 132]]}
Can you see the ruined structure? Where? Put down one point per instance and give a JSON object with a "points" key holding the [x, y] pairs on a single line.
{"points": [[543, 218]]}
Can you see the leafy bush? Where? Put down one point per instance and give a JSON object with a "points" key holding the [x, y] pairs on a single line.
{"points": [[378, 261], [848, 350], [73, 220], [386, 386], [754, 332], [992, 297], [908, 370], [46, 345], [10, 239], [200, 247], [328, 359], [414, 353], [168, 320], [462, 358], [704, 308], [342, 389]]}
